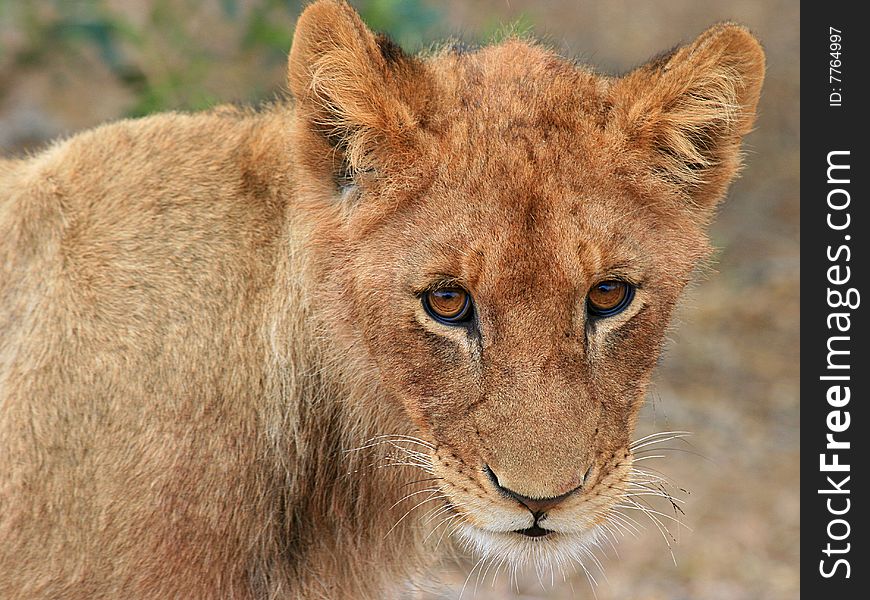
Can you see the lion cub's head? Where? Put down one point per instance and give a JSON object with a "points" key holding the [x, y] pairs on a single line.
{"points": [[505, 235]]}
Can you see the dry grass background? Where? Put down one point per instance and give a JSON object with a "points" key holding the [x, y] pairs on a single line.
{"points": [[730, 373]]}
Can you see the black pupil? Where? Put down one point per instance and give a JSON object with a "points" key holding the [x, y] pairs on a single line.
{"points": [[450, 302], [447, 295]]}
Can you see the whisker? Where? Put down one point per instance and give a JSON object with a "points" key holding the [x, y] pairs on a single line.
{"points": [[611, 539], [592, 583], [423, 467], [408, 512], [666, 496], [651, 511], [423, 481], [450, 530], [438, 511], [656, 475], [597, 562], [683, 450], [464, 585], [651, 514], [675, 434], [637, 460], [610, 536], [412, 494], [444, 521], [404, 438], [388, 439], [485, 571], [487, 564], [627, 521]]}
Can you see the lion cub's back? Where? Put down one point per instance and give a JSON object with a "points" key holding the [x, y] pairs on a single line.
{"points": [[134, 262], [132, 221]]}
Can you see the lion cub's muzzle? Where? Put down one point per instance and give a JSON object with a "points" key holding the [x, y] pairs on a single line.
{"points": [[537, 506]]}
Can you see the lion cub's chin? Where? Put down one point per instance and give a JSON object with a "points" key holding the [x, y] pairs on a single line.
{"points": [[556, 551]]}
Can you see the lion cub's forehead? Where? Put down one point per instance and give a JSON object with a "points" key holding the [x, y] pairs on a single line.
{"points": [[525, 176], [509, 236], [518, 116], [517, 84]]}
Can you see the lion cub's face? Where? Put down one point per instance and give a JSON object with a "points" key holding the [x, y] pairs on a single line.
{"points": [[516, 306], [508, 236]]}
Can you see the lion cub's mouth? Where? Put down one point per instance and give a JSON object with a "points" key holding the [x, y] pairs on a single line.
{"points": [[535, 531]]}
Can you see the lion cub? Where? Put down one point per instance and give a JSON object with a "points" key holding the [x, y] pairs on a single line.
{"points": [[279, 354]]}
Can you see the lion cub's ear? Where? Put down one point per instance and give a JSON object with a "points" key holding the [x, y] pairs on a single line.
{"points": [[688, 111], [355, 91]]}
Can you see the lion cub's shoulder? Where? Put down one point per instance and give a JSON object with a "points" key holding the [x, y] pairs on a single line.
{"points": [[161, 161], [143, 204]]}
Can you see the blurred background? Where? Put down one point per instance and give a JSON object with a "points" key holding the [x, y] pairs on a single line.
{"points": [[730, 372]]}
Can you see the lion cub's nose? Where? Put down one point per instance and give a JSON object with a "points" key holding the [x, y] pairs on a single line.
{"points": [[537, 506]]}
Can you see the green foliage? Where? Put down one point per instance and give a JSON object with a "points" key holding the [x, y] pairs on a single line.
{"points": [[170, 53], [64, 27], [411, 23], [496, 31]]}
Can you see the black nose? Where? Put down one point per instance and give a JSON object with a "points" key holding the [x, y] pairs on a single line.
{"points": [[537, 506]]}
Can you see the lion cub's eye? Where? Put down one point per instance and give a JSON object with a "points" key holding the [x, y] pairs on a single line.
{"points": [[609, 297], [450, 306]]}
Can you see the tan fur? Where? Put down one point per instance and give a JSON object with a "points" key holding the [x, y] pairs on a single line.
{"points": [[210, 322]]}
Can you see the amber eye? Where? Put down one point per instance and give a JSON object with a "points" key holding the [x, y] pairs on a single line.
{"points": [[609, 297], [450, 306]]}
